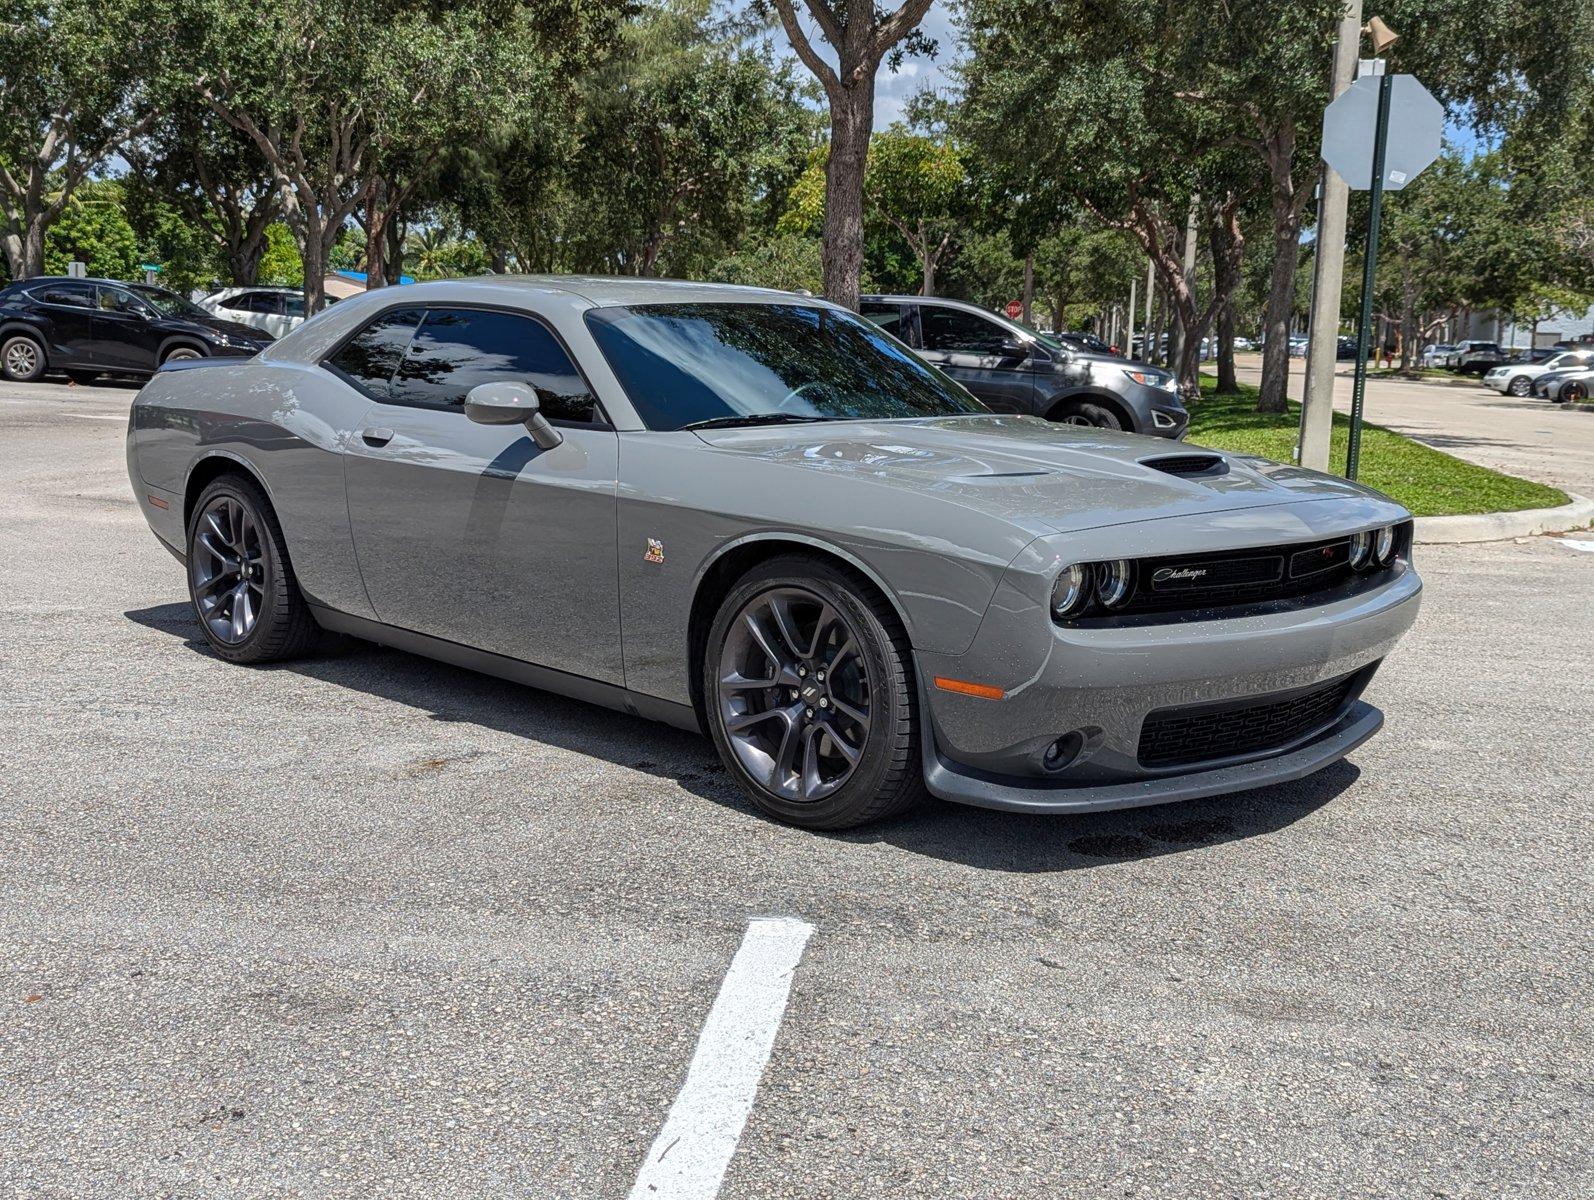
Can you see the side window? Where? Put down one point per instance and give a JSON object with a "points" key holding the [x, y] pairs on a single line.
{"points": [[293, 306], [893, 318], [116, 300], [951, 329], [457, 349], [254, 302], [73, 295], [371, 356]]}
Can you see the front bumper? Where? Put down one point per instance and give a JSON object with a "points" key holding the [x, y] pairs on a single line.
{"points": [[1102, 682], [948, 782]]}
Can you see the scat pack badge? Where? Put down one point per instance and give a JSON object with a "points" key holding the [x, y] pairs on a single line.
{"points": [[655, 551]]}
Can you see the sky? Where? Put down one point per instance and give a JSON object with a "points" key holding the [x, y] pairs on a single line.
{"points": [[892, 91]]}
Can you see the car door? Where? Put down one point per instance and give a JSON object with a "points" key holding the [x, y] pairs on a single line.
{"points": [[68, 308], [472, 533], [291, 314], [124, 337], [970, 349]]}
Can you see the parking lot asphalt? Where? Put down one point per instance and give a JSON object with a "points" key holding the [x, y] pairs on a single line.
{"points": [[365, 925]]}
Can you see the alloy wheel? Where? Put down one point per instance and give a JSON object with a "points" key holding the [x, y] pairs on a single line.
{"points": [[22, 358], [794, 694], [1521, 386], [181, 354], [228, 566]]}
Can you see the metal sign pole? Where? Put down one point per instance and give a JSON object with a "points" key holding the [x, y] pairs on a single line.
{"points": [[1369, 273]]}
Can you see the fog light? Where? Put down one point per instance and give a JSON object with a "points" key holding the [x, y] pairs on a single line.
{"points": [[1384, 546], [1061, 754]]}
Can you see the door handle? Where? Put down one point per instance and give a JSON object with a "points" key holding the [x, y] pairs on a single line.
{"points": [[376, 436]]}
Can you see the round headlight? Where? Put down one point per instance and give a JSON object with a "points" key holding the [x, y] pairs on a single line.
{"points": [[1071, 592], [1361, 551], [1384, 546], [1113, 582]]}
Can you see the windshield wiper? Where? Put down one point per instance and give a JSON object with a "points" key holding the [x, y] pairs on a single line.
{"points": [[754, 419]]}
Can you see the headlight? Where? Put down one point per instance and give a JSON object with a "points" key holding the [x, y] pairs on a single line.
{"points": [[1384, 546], [1361, 550], [1071, 592], [1114, 581], [1153, 379]]}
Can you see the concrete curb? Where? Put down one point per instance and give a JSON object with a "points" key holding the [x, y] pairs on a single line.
{"points": [[1495, 527]]}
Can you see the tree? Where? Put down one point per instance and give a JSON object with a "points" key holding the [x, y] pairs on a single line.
{"points": [[861, 36], [917, 185], [70, 99], [213, 175], [675, 134], [1069, 115], [93, 229]]}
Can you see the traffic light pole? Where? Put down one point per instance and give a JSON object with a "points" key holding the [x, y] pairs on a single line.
{"points": [[1369, 274]]}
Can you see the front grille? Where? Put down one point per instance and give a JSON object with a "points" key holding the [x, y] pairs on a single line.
{"points": [[1173, 737], [1193, 582]]}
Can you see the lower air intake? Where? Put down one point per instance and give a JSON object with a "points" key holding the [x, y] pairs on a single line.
{"points": [[1174, 737]]}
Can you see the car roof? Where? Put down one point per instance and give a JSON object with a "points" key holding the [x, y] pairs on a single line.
{"points": [[607, 290]]}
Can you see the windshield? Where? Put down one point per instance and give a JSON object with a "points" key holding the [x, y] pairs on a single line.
{"points": [[170, 304], [690, 364]]}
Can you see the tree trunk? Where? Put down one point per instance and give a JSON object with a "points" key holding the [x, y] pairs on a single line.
{"points": [[312, 254], [1276, 316], [927, 263], [25, 248], [1227, 381], [395, 249], [851, 123], [376, 219], [1027, 298]]}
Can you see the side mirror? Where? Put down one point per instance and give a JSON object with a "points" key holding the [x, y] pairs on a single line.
{"points": [[511, 404], [1013, 348]]}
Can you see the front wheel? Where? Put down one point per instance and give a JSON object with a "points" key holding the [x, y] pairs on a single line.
{"points": [[1521, 385], [809, 689], [1573, 392], [241, 584], [1085, 412], [21, 359], [182, 354]]}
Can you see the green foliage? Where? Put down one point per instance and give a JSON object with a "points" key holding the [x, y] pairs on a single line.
{"points": [[281, 264], [787, 261], [94, 229]]}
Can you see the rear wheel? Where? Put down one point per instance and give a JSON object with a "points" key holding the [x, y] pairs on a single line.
{"points": [[241, 584], [808, 683], [1086, 412], [21, 358]]}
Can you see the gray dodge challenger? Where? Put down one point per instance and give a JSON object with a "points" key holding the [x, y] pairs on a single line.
{"points": [[757, 515]]}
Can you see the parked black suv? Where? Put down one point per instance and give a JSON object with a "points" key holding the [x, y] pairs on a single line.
{"points": [[1015, 369], [88, 327]]}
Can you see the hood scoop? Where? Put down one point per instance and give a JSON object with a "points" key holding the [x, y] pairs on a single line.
{"points": [[1203, 466]]}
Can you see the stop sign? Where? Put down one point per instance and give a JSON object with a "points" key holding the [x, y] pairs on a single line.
{"points": [[1013, 309], [1416, 128]]}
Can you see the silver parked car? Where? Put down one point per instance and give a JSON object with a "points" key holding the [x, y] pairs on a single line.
{"points": [[758, 515]]}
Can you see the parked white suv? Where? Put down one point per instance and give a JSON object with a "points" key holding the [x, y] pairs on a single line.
{"points": [[1516, 379], [277, 310]]}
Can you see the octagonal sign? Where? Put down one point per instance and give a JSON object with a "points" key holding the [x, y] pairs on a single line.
{"points": [[1416, 128]]}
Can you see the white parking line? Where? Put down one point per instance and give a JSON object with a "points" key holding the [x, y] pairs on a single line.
{"points": [[1577, 544], [687, 1161], [96, 417]]}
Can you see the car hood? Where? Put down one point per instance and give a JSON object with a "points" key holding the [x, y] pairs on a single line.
{"points": [[1045, 477]]}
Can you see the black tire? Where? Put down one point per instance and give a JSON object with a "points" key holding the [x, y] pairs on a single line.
{"points": [[179, 353], [888, 777], [22, 358], [282, 625], [1520, 385], [1087, 412], [1574, 392]]}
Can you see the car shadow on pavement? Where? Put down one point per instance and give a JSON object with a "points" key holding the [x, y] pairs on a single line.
{"points": [[974, 837]]}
